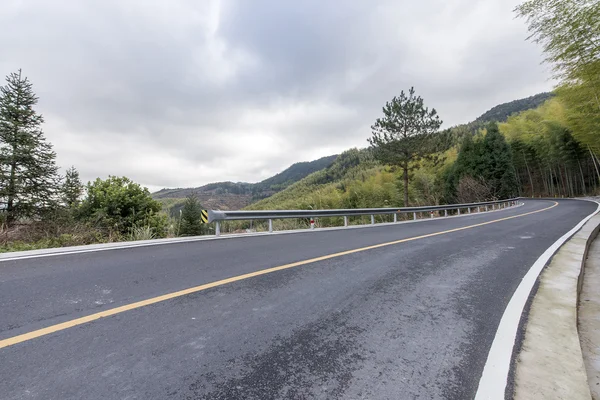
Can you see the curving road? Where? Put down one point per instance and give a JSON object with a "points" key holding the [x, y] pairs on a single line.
{"points": [[413, 318]]}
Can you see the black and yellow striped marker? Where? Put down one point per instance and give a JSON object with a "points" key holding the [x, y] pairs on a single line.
{"points": [[204, 216]]}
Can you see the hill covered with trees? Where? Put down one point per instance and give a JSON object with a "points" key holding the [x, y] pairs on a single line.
{"points": [[500, 113], [477, 161], [300, 179], [234, 196]]}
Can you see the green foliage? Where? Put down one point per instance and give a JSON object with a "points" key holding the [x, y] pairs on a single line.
{"points": [[582, 113], [488, 161], [547, 156], [190, 217], [402, 136], [28, 173], [144, 232], [118, 204], [72, 188], [323, 188], [569, 31]]}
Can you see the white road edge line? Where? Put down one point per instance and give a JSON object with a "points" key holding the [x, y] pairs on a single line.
{"points": [[492, 385], [63, 251]]}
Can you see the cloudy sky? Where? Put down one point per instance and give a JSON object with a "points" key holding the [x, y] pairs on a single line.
{"points": [[180, 93]]}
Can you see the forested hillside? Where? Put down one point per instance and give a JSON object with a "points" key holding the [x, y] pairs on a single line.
{"points": [[531, 154], [234, 196], [501, 112]]}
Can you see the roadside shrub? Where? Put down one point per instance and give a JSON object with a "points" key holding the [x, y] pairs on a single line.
{"points": [[142, 233], [51, 233], [118, 204]]}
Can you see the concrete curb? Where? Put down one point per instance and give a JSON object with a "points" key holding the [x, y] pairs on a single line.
{"points": [[550, 364], [588, 317]]}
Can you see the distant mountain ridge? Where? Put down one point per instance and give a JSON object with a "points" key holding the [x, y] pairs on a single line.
{"points": [[236, 195]]}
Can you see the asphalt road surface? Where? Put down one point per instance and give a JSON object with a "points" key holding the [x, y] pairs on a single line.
{"points": [[412, 319]]}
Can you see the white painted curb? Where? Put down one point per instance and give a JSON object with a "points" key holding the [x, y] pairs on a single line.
{"points": [[492, 385]]}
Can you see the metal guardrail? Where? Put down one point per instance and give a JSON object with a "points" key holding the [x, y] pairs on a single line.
{"points": [[219, 216]]}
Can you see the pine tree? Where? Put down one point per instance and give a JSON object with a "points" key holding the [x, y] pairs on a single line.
{"points": [[497, 162], [72, 188], [403, 136], [28, 173], [190, 216], [489, 162]]}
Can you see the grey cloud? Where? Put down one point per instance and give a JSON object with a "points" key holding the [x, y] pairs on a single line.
{"points": [[183, 92]]}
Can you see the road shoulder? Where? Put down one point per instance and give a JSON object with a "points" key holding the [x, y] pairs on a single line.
{"points": [[550, 362], [589, 318]]}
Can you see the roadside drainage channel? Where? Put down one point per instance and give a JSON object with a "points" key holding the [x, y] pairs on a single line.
{"points": [[550, 363]]}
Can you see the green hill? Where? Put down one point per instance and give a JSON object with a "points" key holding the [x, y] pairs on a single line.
{"points": [[357, 180], [237, 195], [501, 112]]}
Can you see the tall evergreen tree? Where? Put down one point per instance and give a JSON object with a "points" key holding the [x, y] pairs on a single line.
{"points": [[488, 160], [190, 216], [497, 161], [72, 188], [402, 136], [28, 173]]}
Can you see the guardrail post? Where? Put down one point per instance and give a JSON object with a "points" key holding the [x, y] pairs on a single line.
{"points": [[478, 209], [431, 213], [372, 220], [395, 217], [345, 220], [270, 226], [458, 209], [217, 228], [469, 208], [445, 213]]}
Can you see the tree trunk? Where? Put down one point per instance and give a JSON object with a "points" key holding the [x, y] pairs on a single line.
{"points": [[11, 189], [595, 164], [562, 182], [583, 188], [552, 185], [405, 171], [529, 174]]}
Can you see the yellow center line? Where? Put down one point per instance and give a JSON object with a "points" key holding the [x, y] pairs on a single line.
{"points": [[132, 306]]}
